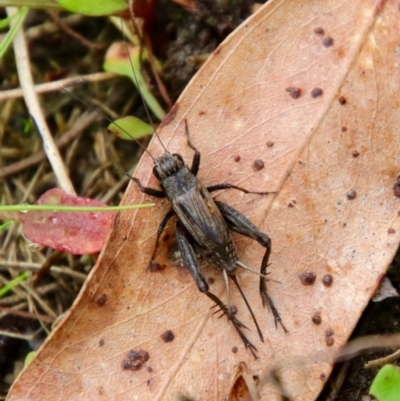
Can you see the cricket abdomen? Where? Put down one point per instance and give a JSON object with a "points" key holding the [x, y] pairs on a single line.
{"points": [[225, 257]]}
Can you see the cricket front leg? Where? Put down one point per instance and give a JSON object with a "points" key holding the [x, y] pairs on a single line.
{"points": [[157, 193], [192, 264], [242, 225], [160, 230]]}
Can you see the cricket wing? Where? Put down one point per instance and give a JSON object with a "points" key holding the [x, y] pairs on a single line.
{"points": [[199, 214]]}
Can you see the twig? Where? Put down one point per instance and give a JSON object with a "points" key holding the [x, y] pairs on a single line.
{"points": [[57, 85], [358, 345], [32, 102], [36, 266], [12, 311], [80, 125], [27, 337], [72, 33], [12, 299], [36, 296], [376, 363]]}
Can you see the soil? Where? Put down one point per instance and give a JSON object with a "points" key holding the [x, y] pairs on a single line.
{"points": [[181, 40]]}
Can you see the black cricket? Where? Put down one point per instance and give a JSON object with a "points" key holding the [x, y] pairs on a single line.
{"points": [[203, 225]]}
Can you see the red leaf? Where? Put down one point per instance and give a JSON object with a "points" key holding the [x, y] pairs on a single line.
{"points": [[73, 232]]}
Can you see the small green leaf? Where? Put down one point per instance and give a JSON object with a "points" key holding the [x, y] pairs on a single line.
{"points": [[29, 357], [130, 128], [94, 8], [27, 125], [386, 385]]}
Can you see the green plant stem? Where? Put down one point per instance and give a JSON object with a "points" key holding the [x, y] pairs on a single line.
{"points": [[11, 284]]}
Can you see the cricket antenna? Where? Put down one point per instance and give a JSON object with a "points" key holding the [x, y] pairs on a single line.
{"points": [[110, 120], [140, 92], [234, 279]]}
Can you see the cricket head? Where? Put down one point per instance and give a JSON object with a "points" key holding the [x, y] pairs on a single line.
{"points": [[168, 164]]}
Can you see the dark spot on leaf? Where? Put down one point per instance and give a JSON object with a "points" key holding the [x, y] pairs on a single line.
{"points": [[167, 336], [316, 319], [237, 158], [290, 204], [124, 238], [233, 309], [234, 350], [258, 165], [211, 280], [329, 339], [322, 377], [202, 113], [328, 41], [396, 188], [355, 153], [101, 343], [155, 267], [342, 100], [270, 144], [166, 237], [295, 93], [327, 280], [149, 369], [351, 195], [344, 129], [307, 278], [319, 31], [101, 299], [316, 92], [135, 360], [391, 231]]}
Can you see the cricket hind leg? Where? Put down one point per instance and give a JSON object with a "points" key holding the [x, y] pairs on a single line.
{"points": [[240, 224], [192, 264]]}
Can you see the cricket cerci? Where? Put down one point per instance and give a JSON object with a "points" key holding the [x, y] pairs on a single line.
{"points": [[203, 226]]}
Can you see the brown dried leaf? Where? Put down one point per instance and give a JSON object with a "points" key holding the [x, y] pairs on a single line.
{"points": [[330, 151]]}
